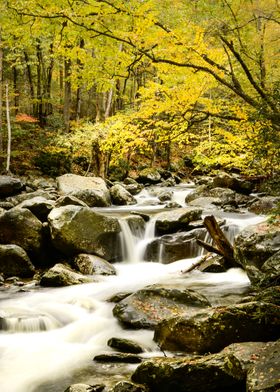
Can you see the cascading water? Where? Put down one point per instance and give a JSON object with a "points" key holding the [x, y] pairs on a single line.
{"points": [[49, 336]]}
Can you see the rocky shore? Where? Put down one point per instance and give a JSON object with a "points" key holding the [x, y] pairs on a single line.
{"points": [[51, 234]]}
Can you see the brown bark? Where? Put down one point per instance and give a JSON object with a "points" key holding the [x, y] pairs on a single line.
{"points": [[1, 93], [222, 246]]}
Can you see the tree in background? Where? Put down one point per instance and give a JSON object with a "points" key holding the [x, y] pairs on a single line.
{"points": [[198, 77]]}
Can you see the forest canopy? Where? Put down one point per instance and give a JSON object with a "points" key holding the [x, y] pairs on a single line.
{"points": [[110, 85]]}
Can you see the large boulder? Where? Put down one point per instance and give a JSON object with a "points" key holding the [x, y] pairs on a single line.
{"points": [[149, 176], [213, 330], [147, 307], [9, 186], [67, 200], [77, 229], [225, 371], [39, 206], [20, 227], [209, 373], [263, 376], [233, 182], [62, 275], [254, 246], [264, 205], [120, 196], [172, 247], [14, 261], [132, 186], [91, 190], [171, 221], [91, 264], [15, 200]]}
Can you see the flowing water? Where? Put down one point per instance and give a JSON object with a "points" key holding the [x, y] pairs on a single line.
{"points": [[50, 336]]}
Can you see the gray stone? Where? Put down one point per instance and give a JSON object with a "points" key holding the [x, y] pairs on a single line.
{"points": [[264, 205], [69, 200], [20, 227], [263, 376], [118, 357], [77, 229], [149, 176], [125, 345], [254, 246], [15, 261], [173, 247], [128, 386], [213, 330], [39, 206], [9, 186], [121, 196], [174, 220], [92, 190], [85, 388], [91, 264], [210, 373], [62, 275], [149, 306]]}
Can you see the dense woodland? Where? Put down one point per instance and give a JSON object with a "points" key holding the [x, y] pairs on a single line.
{"points": [[108, 86]]}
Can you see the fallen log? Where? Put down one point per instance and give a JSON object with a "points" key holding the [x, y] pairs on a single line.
{"points": [[222, 245]]}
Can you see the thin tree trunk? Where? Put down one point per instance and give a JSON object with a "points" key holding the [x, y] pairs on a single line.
{"points": [[1, 93], [9, 130], [109, 103], [16, 91], [30, 82], [67, 95]]}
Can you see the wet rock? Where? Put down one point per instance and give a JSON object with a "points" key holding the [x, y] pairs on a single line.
{"points": [[271, 295], [62, 275], [174, 247], [20, 227], [120, 196], [132, 186], [254, 246], [118, 357], [69, 200], [15, 261], [235, 183], [165, 195], [5, 205], [171, 221], [264, 205], [91, 190], [15, 200], [128, 386], [147, 307], [269, 273], [184, 375], [9, 186], [91, 264], [125, 345], [149, 176], [39, 206], [85, 388], [213, 330], [263, 376], [77, 229]]}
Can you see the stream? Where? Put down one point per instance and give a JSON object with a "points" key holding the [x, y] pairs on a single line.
{"points": [[54, 333]]}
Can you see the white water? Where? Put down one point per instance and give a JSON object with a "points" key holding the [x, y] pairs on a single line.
{"points": [[79, 319]]}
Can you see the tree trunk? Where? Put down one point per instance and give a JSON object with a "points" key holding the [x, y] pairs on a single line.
{"points": [[9, 130], [16, 90], [30, 82], [223, 246], [67, 95], [1, 93]]}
